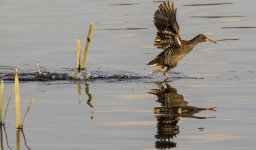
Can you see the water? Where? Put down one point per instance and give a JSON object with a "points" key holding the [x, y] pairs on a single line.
{"points": [[114, 114]]}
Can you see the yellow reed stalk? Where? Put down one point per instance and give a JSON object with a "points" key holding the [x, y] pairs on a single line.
{"points": [[89, 36], [17, 99], [29, 106], [78, 54], [1, 101]]}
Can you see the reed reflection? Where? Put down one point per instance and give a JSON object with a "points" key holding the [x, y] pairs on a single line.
{"points": [[24, 138], [4, 136], [173, 108], [87, 92], [18, 131], [89, 95]]}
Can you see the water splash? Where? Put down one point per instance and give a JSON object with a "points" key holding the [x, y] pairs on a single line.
{"points": [[71, 74], [41, 74]]}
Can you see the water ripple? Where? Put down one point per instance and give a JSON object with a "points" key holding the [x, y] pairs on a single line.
{"points": [[134, 28], [240, 27], [208, 4], [125, 4], [237, 16], [231, 39]]}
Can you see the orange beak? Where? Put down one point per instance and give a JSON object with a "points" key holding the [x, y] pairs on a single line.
{"points": [[210, 41]]}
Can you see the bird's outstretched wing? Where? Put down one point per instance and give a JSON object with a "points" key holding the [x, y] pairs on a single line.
{"points": [[167, 26]]}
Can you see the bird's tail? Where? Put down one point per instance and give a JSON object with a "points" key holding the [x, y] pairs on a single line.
{"points": [[152, 63]]}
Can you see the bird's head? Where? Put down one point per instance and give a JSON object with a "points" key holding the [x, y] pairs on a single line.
{"points": [[203, 38]]}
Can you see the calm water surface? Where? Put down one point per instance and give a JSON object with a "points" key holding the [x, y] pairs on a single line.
{"points": [[213, 108]]}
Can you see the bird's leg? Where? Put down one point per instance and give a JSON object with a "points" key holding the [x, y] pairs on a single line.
{"points": [[158, 70], [167, 78]]}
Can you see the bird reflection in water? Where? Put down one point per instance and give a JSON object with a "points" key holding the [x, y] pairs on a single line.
{"points": [[173, 108]]}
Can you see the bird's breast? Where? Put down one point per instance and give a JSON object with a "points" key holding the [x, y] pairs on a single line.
{"points": [[179, 57]]}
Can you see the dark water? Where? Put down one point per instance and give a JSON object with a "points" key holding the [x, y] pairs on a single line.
{"points": [[210, 104]]}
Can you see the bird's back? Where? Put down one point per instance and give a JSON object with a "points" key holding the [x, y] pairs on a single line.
{"points": [[170, 57]]}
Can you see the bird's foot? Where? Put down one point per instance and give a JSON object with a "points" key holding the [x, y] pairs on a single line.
{"points": [[168, 79], [153, 73], [156, 71]]}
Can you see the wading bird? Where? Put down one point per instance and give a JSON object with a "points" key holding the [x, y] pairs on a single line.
{"points": [[168, 39]]}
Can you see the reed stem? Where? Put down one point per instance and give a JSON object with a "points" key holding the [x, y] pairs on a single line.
{"points": [[17, 99], [88, 40], [78, 54], [1, 101], [7, 106], [29, 106]]}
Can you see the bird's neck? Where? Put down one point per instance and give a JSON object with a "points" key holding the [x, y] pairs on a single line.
{"points": [[193, 42], [190, 44]]}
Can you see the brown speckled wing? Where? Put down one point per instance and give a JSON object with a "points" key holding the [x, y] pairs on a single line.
{"points": [[167, 26]]}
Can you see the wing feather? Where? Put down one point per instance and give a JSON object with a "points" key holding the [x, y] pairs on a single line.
{"points": [[167, 26]]}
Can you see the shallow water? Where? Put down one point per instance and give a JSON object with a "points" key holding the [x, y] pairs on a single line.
{"points": [[114, 114]]}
